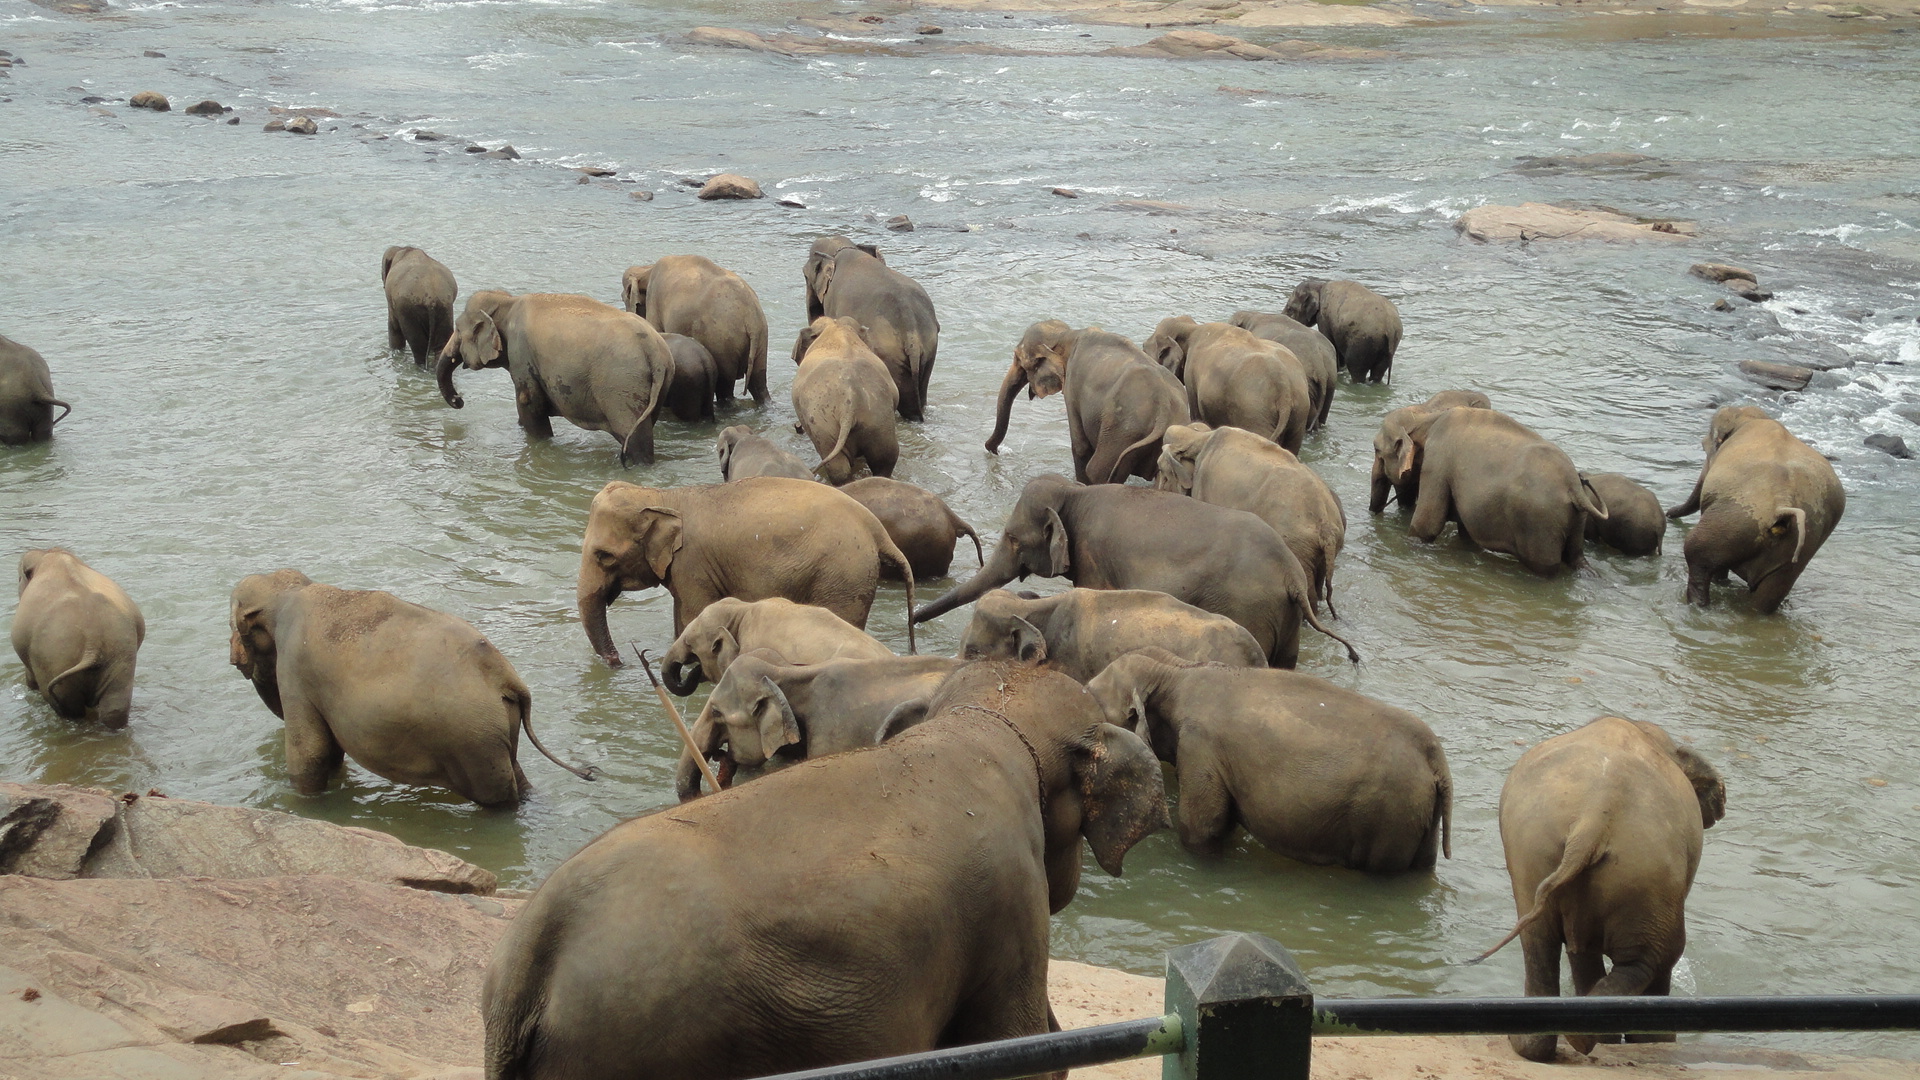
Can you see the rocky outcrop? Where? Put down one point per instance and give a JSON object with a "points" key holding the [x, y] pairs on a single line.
{"points": [[208, 107], [1740, 282], [1777, 376], [1541, 221], [150, 99], [731, 186]]}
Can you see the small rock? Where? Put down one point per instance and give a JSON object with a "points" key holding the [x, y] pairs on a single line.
{"points": [[1750, 290], [1066, 193], [505, 153], [98, 111], [92, 99], [731, 186], [147, 99], [1722, 305], [640, 196], [871, 19], [1718, 272], [1890, 444], [900, 223], [476, 148], [793, 202], [275, 125], [426, 136], [233, 120], [304, 110], [595, 170], [154, 52], [1776, 376], [302, 125], [929, 30], [1856, 314], [206, 108], [1911, 416]]}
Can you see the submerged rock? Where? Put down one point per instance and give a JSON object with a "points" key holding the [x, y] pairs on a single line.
{"points": [[731, 186], [1719, 272], [302, 125], [1777, 376], [640, 196], [1540, 221], [900, 223], [149, 99], [1747, 289], [505, 153], [595, 170], [1066, 193], [1890, 444], [206, 108]]}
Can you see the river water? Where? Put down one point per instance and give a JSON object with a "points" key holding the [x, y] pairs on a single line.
{"points": [[208, 298]]}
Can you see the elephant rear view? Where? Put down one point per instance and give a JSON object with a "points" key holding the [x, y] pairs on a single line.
{"points": [[844, 400], [420, 294], [694, 296], [1236, 379], [853, 280], [26, 396], [1309, 345], [78, 634], [1363, 325], [1119, 402]]}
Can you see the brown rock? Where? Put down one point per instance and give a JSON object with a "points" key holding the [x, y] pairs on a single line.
{"points": [[640, 196], [1066, 193], [731, 186], [206, 108], [900, 223], [930, 30], [1718, 272], [595, 170], [426, 136], [275, 125], [505, 153], [1750, 290], [148, 99], [1540, 221], [302, 125], [47, 830], [726, 38], [1194, 45], [1776, 376], [303, 110]]}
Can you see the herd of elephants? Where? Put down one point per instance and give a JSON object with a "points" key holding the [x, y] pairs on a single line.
{"points": [[889, 891]]}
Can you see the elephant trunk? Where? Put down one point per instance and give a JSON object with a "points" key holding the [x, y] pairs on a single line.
{"points": [[673, 672], [593, 615], [1016, 378], [1381, 489], [443, 374], [992, 576]]}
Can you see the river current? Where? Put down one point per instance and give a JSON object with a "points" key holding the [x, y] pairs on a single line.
{"points": [[208, 298]]}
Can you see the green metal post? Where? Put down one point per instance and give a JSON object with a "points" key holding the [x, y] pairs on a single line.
{"points": [[1246, 1009]]}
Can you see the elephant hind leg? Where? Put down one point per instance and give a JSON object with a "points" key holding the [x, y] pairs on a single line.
{"points": [[1541, 945], [313, 754], [396, 338]]}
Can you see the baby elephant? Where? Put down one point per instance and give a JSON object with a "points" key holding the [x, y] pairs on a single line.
{"points": [[1363, 325], [1602, 829], [409, 693], [743, 454], [728, 627], [420, 294], [78, 634], [690, 391], [1314, 772], [1081, 631], [844, 399], [922, 525], [1634, 524], [26, 396]]}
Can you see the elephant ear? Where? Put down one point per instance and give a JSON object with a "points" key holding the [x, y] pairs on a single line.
{"points": [[723, 447], [1029, 644], [661, 533], [725, 650], [386, 262], [633, 288], [1122, 797], [872, 250], [905, 715], [1707, 785], [778, 726], [804, 342], [487, 345], [1057, 561]]}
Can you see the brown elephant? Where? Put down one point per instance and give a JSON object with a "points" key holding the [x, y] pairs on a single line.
{"points": [[1236, 379], [411, 694], [1081, 631], [1392, 441], [1119, 401], [743, 454], [754, 539], [918, 520], [1635, 524], [1602, 829], [78, 635], [896, 900], [694, 296], [1230, 467], [1312, 348], [896, 315], [26, 396], [691, 390], [1313, 771], [1767, 501], [420, 294], [1363, 325], [727, 628], [844, 400], [571, 356]]}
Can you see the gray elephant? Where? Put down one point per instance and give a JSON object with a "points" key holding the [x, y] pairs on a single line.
{"points": [[1767, 502], [728, 627], [1312, 348], [924, 526], [743, 454], [411, 694], [1363, 326], [1392, 443], [690, 393], [896, 900], [26, 396], [896, 316], [1602, 828], [1119, 401], [765, 707], [1635, 524], [1236, 379], [844, 401], [420, 294], [1235, 468], [1313, 771], [571, 356], [78, 634], [694, 296], [1081, 631]]}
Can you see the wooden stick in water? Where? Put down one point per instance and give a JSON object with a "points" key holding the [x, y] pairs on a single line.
{"points": [[685, 735]]}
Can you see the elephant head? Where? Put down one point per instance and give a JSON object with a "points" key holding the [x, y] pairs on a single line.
{"points": [[1179, 451], [633, 289], [1002, 628], [1303, 306], [476, 342], [386, 260], [1040, 365], [630, 543], [1168, 345], [835, 330], [1397, 447], [724, 446], [1125, 690], [1035, 541], [1702, 776], [705, 649], [1726, 421], [818, 270], [253, 612], [746, 721]]}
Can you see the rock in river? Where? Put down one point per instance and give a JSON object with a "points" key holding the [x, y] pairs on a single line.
{"points": [[731, 186], [1540, 221], [149, 99]]}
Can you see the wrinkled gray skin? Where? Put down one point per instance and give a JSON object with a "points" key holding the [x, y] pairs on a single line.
{"points": [[26, 396], [886, 901], [571, 356], [1390, 445], [694, 296], [754, 539], [420, 295], [1119, 401], [78, 635], [1111, 536], [1635, 524], [409, 693], [1363, 326], [743, 454], [843, 399], [1081, 631], [1602, 829], [1767, 501], [896, 316], [1313, 771], [1236, 379], [1508, 489], [690, 391], [918, 520], [728, 627], [1309, 345], [765, 707], [1239, 469]]}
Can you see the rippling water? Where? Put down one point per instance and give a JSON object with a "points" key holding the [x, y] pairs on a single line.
{"points": [[208, 298]]}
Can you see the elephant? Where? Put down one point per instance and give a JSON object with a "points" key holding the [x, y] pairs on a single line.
{"points": [[886, 901], [1118, 401], [1111, 536], [743, 454], [1391, 442], [1509, 489], [1236, 379], [1230, 467], [1634, 524], [690, 391], [918, 520], [78, 634], [1081, 631], [844, 400], [694, 296], [409, 693], [853, 280], [1363, 325], [728, 627], [1767, 501], [1313, 771], [26, 396], [1602, 829], [764, 706], [571, 356], [754, 539], [1312, 348], [420, 295]]}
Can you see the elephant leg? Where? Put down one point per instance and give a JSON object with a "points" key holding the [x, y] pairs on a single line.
{"points": [[1431, 511], [1077, 440], [1205, 809], [1286, 644], [533, 410], [996, 1013], [1774, 588], [395, 339], [1700, 578], [1661, 986], [1588, 968], [1541, 944], [638, 445], [116, 700], [312, 752], [723, 390], [756, 384]]}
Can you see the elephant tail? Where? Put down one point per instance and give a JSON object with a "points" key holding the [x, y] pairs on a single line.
{"points": [[846, 429], [1443, 802], [89, 660], [1582, 851], [64, 407], [890, 552], [967, 530], [1305, 600], [657, 394], [1596, 507], [522, 698], [1799, 517], [1120, 459]]}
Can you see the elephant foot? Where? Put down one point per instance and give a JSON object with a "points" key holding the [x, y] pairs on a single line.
{"points": [[1541, 1048], [1583, 1044]]}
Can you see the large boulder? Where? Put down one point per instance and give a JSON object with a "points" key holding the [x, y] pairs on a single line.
{"points": [[1541, 221], [731, 186], [150, 99]]}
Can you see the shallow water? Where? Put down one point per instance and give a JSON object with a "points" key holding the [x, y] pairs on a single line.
{"points": [[208, 298]]}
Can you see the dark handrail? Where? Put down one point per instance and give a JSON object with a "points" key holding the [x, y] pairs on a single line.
{"points": [[1622, 1015], [1028, 1056]]}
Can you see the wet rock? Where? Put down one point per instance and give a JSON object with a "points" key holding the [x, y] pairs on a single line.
{"points": [[1749, 290], [1580, 161], [92, 99], [930, 30], [1855, 314], [205, 108], [731, 186], [233, 120], [148, 99], [726, 38], [153, 52], [303, 110], [1722, 305], [594, 170], [1889, 444], [476, 148], [302, 125], [1777, 376], [275, 125], [1719, 272], [793, 202], [1066, 193], [1194, 45], [900, 223], [1244, 91], [1149, 207], [426, 136], [640, 196], [48, 830], [1539, 221], [1911, 416], [505, 153]]}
